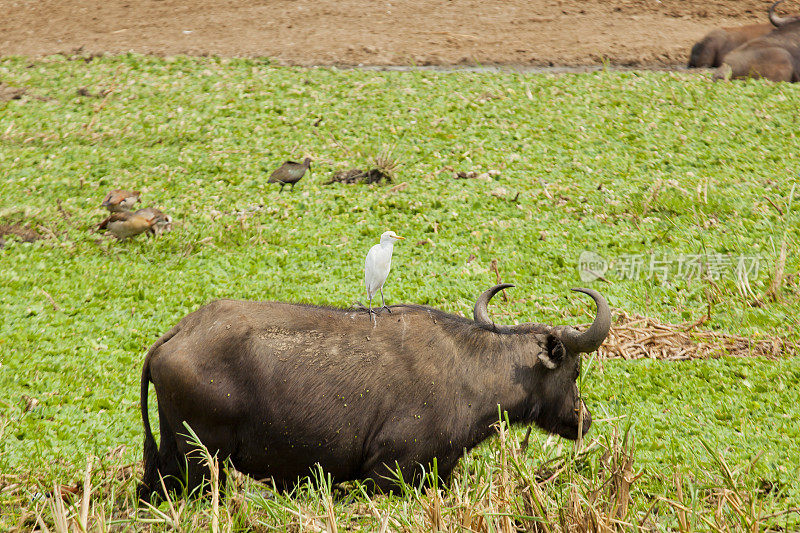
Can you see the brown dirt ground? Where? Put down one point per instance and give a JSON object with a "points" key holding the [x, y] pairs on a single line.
{"points": [[382, 32]]}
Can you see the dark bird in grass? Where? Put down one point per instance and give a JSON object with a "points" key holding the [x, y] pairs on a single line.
{"points": [[120, 200], [160, 222], [126, 224], [290, 173]]}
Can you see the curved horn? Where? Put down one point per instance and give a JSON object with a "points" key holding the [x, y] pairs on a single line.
{"points": [[775, 19], [592, 338], [481, 312]]}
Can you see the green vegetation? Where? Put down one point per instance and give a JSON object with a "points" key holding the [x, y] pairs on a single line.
{"points": [[615, 163]]}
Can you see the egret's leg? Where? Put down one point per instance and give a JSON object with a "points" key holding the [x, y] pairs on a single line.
{"points": [[282, 184], [384, 302], [371, 311]]}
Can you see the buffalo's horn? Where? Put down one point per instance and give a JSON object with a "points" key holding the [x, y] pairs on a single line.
{"points": [[775, 19], [592, 338], [481, 311]]}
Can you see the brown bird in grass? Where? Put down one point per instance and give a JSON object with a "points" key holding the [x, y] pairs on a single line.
{"points": [[160, 222], [120, 200], [126, 224], [290, 173]]}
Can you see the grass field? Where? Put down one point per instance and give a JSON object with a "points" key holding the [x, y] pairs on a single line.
{"points": [[653, 166]]}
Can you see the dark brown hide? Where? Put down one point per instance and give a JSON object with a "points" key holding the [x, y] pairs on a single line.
{"points": [[712, 49], [775, 56], [278, 387]]}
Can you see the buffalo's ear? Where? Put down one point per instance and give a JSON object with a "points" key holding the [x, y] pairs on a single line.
{"points": [[552, 353]]}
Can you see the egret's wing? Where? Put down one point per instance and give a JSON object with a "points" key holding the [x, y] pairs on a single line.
{"points": [[369, 271], [376, 268]]}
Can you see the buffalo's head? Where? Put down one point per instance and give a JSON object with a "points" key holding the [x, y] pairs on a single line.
{"points": [[555, 403]]}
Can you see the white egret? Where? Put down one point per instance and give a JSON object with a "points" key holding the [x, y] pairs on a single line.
{"points": [[377, 266]]}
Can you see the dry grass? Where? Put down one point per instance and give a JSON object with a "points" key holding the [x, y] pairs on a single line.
{"points": [[590, 487], [384, 165], [635, 336], [594, 489], [357, 175]]}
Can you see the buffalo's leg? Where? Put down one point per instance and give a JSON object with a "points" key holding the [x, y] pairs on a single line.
{"points": [[198, 474], [194, 465]]}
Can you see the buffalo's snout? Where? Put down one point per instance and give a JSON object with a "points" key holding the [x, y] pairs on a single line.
{"points": [[582, 419], [587, 419], [577, 416]]}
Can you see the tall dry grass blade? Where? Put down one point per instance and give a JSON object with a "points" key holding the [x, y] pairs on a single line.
{"points": [[213, 466], [374, 510], [683, 522], [579, 440], [654, 190], [575, 519], [384, 522], [676, 505], [736, 504], [780, 264], [727, 473], [503, 493], [743, 285], [40, 521], [776, 284], [161, 517], [313, 523], [60, 518], [623, 475], [640, 526], [538, 507], [175, 516], [433, 510], [83, 518], [719, 513], [330, 517], [102, 525], [385, 161]]}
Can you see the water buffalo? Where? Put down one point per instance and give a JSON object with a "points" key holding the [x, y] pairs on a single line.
{"points": [[775, 56], [712, 49], [279, 387]]}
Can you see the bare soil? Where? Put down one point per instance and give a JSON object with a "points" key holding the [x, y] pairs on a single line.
{"points": [[383, 32], [20, 231], [8, 92]]}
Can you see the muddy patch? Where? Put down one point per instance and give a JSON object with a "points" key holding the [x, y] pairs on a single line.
{"points": [[9, 92], [19, 231]]}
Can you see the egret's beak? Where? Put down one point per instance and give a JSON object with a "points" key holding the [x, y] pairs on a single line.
{"points": [[399, 237]]}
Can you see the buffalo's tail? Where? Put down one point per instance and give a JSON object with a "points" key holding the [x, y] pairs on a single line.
{"points": [[150, 481]]}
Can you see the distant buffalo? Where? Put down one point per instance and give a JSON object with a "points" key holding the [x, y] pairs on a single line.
{"points": [[712, 49], [775, 56]]}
